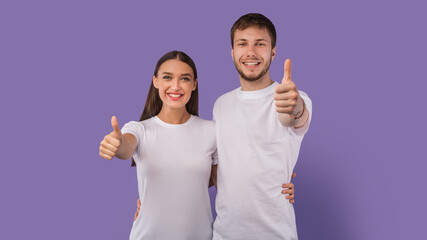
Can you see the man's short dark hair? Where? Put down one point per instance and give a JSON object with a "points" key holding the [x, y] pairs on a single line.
{"points": [[254, 20]]}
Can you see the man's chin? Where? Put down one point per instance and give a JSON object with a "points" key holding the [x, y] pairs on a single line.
{"points": [[252, 77]]}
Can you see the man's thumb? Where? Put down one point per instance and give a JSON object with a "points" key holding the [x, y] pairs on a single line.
{"points": [[115, 125], [287, 73]]}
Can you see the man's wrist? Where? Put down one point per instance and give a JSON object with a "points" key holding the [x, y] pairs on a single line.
{"points": [[300, 113]]}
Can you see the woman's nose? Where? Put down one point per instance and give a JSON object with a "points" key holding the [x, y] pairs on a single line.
{"points": [[176, 84]]}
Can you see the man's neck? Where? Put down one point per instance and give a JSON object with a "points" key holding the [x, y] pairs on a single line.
{"points": [[259, 84]]}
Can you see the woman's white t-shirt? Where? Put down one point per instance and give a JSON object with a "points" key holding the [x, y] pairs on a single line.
{"points": [[173, 163]]}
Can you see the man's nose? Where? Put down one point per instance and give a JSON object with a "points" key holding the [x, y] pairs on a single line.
{"points": [[251, 52]]}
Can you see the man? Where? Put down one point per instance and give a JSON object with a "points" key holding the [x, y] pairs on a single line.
{"points": [[259, 127]]}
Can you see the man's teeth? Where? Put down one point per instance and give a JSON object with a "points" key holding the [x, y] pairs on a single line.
{"points": [[251, 64], [175, 95]]}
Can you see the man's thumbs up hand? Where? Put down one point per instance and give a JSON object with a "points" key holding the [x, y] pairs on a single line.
{"points": [[286, 95], [111, 142]]}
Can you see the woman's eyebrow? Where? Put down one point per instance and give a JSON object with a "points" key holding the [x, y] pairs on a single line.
{"points": [[186, 74]]}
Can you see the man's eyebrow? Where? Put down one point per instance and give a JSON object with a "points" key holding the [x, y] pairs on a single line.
{"points": [[257, 40]]}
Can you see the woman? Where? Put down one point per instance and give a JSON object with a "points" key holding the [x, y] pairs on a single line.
{"points": [[173, 151]]}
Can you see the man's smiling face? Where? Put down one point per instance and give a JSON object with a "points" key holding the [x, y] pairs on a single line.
{"points": [[252, 53]]}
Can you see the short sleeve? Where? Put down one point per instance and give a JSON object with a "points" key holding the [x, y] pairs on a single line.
{"points": [[308, 107], [213, 111], [215, 157], [134, 128]]}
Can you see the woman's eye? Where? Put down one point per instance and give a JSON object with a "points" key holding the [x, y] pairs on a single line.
{"points": [[185, 79], [166, 77]]}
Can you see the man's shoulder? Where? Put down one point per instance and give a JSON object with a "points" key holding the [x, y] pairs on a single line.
{"points": [[226, 97]]}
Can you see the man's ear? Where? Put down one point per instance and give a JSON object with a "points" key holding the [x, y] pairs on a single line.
{"points": [[155, 83], [273, 53]]}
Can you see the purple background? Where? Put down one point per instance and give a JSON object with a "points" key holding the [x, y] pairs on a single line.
{"points": [[67, 67]]}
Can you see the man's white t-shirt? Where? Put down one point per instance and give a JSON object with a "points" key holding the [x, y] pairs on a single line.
{"points": [[256, 155], [173, 164]]}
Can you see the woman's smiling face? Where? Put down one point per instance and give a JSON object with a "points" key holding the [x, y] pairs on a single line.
{"points": [[175, 82]]}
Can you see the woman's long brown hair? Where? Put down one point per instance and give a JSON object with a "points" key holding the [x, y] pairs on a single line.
{"points": [[153, 104]]}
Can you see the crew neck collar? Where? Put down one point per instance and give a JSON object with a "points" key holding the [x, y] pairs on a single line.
{"points": [[258, 93], [158, 120]]}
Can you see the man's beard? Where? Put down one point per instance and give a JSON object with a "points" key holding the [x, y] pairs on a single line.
{"points": [[252, 79]]}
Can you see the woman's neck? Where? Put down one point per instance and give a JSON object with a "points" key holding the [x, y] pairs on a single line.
{"points": [[174, 116]]}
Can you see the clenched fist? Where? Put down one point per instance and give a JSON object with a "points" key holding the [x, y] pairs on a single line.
{"points": [[111, 142], [287, 97]]}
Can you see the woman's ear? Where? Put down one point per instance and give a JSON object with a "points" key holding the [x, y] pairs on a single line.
{"points": [[155, 83], [195, 84]]}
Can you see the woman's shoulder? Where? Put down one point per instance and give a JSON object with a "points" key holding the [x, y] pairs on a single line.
{"points": [[202, 121], [139, 124], [204, 125]]}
